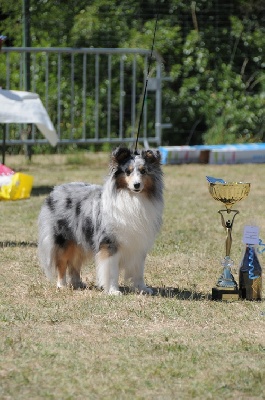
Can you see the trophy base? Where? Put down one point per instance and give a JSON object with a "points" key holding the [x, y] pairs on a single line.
{"points": [[225, 294]]}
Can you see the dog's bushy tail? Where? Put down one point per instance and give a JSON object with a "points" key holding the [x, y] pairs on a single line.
{"points": [[46, 245]]}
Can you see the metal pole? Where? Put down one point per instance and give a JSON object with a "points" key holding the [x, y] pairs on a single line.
{"points": [[2, 39], [158, 126], [26, 43], [4, 145], [26, 63]]}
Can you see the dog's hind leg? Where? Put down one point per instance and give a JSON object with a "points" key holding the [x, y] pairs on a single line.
{"points": [[61, 266], [75, 277], [75, 257], [108, 271], [69, 257]]}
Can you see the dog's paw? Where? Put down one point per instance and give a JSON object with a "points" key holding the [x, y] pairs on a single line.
{"points": [[114, 292], [82, 285], [78, 285], [145, 290], [61, 286]]}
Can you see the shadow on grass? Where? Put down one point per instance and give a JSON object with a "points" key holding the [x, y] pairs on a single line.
{"points": [[168, 292], [181, 294], [41, 190], [171, 292], [13, 243]]}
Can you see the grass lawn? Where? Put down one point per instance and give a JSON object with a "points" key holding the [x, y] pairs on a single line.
{"points": [[177, 344]]}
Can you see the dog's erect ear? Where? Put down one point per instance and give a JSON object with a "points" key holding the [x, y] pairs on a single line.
{"points": [[152, 156], [120, 154]]}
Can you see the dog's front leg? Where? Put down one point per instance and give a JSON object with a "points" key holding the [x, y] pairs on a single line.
{"points": [[138, 276], [108, 272]]}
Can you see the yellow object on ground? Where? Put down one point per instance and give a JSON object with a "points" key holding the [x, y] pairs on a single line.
{"points": [[19, 188]]}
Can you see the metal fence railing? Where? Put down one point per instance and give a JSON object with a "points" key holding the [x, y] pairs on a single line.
{"points": [[91, 95]]}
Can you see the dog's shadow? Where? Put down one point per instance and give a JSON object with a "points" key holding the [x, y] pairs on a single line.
{"points": [[14, 243], [41, 190], [173, 292]]}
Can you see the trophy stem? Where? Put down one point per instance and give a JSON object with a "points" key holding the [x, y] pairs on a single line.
{"points": [[228, 225]]}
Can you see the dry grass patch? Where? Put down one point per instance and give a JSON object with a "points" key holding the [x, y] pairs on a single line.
{"points": [[176, 344]]}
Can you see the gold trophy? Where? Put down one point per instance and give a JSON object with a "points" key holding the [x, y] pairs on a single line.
{"points": [[228, 193]]}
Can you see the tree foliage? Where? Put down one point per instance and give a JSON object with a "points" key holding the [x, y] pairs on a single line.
{"points": [[212, 50]]}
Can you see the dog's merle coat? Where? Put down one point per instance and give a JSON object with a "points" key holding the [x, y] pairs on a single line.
{"points": [[116, 222]]}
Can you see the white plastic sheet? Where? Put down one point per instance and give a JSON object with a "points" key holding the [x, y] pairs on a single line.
{"points": [[26, 107]]}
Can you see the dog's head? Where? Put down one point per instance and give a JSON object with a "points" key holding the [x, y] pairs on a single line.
{"points": [[136, 171]]}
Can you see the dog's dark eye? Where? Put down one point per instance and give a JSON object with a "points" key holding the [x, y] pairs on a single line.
{"points": [[143, 171], [128, 172]]}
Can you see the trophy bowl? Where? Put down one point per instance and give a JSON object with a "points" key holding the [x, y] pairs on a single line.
{"points": [[229, 193]]}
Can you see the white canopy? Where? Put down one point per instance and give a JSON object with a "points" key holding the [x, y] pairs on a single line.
{"points": [[26, 107]]}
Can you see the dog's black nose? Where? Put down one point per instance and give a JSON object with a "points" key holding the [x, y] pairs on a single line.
{"points": [[136, 185]]}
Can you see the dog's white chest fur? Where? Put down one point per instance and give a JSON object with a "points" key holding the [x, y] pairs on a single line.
{"points": [[135, 219]]}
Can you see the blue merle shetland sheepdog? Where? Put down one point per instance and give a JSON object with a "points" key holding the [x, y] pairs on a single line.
{"points": [[116, 223]]}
